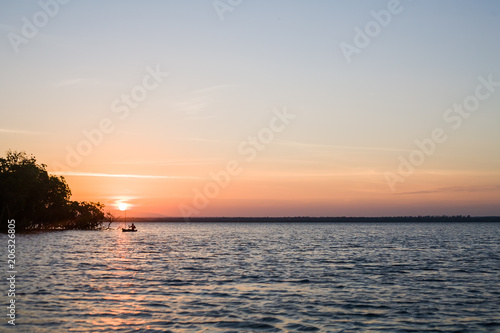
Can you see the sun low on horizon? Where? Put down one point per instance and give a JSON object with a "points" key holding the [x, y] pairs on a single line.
{"points": [[122, 206], [319, 109]]}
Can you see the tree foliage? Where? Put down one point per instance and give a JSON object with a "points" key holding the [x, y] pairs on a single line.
{"points": [[37, 200]]}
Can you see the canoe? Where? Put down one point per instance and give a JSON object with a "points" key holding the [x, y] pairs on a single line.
{"points": [[129, 230]]}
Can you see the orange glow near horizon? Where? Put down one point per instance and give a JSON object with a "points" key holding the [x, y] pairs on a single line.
{"points": [[265, 193]]}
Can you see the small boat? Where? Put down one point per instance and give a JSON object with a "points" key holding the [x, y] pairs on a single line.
{"points": [[131, 228]]}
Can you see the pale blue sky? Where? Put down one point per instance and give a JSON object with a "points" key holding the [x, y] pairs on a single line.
{"points": [[227, 76]]}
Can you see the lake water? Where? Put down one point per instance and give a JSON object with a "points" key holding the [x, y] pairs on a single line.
{"points": [[229, 277]]}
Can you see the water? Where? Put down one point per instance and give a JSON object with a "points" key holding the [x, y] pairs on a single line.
{"points": [[221, 277]]}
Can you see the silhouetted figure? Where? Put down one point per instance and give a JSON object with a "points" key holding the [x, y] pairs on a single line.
{"points": [[132, 227]]}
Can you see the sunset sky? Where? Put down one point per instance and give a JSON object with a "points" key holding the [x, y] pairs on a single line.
{"points": [[320, 108]]}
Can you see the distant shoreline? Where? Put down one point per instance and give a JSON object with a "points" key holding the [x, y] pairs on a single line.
{"points": [[307, 219]]}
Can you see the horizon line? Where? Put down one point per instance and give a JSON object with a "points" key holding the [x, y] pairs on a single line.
{"points": [[314, 217]]}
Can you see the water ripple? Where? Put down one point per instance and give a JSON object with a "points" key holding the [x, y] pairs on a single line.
{"points": [[261, 278]]}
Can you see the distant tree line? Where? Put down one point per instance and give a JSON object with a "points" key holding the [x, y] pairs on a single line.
{"points": [[39, 201], [325, 219]]}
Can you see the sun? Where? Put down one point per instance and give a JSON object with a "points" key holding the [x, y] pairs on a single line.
{"points": [[122, 206]]}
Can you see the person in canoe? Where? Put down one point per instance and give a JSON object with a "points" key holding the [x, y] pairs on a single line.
{"points": [[132, 226]]}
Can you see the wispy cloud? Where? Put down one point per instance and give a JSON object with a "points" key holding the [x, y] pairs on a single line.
{"points": [[328, 174], [206, 140], [216, 88], [484, 188], [195, 101], [18, 131], [338, 147], [76, 82], [112, 175], [193, 161]]}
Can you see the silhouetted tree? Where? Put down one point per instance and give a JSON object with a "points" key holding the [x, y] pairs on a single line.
{"points": [[85, 215], [37, 200], [109, 218]]}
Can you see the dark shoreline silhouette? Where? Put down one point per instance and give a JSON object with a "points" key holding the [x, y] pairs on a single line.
{"points": [[308, 219], [33, 199]]}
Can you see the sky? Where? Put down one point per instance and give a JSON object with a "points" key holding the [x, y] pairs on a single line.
{"points": [[258, 108]]}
